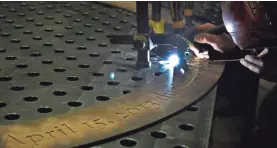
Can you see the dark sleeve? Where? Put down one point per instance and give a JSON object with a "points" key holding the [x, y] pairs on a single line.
{"points": [[271, 10]]}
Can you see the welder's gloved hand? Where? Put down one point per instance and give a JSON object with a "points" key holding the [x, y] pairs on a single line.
{"points": [[264, 64], [221, 43]]}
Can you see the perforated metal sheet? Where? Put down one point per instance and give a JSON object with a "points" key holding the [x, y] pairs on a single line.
{"points": [[56, 58]]}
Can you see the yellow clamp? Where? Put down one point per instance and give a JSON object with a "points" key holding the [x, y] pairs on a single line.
{"points": [[140, 37], [158, 27]]}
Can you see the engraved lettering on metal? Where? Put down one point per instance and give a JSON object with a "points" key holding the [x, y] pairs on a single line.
{"points": [[69, 125]]}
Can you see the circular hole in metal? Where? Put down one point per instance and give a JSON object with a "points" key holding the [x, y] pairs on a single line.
{"points": [[23, 4], [158, 134], [2, 50], [98, 74], [106, 23], [90, 38], [46, 83], [5, 34], [78, 20], [40, 13], [17, 88], [117, 28], [24, 47], [74, 104], [33, 74], [10, 58], [9, 21], [102, 12], [186, 127], [180, 146], [158, 73], [59, 93], [30, 99], [107, 62], [113, 83], [102, 45], [47, 62], [103, 98], [126, 92], [32, 8], [71, 58], [5, 5], [44, 110], [137, 78], [35, 54], [81, 47], [128, 142], [124, 21], [115, 51], [79, 33], [21, 65], [15, 41], [2, 16], [6, 78], [113, 16], [69, 41], [94, 54], [2, 104], [121, 69], [30, 19], [85, 13], [37, 38], [59, 69], [87, 87], [21, 14], [67, 15], [88, 25], [72, 78], [129, 59], [12, 116], [58, 22], [18, 26], [96, 18], [83, 66], [59, 51], [99, 30], [48, 29], [68, 27], [192, 109], [48, 44], [39, 24]]}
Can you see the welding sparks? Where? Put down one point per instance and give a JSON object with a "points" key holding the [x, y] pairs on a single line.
{"points": [[112, 75], [172, 61]]}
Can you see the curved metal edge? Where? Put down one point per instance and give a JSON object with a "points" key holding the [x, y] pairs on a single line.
{"points": [[107, 120]]}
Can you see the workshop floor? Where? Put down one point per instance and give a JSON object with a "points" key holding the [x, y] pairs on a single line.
{"points": [[226, 132]]}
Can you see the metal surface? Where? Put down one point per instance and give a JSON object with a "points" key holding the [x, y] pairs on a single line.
{"points": [[64, 85]]}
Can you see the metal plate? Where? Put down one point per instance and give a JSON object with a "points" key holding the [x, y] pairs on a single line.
{"points": [[64, 85]]}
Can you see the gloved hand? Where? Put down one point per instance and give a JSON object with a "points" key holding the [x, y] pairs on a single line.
{"points": [[222, 43], [264, 64]]}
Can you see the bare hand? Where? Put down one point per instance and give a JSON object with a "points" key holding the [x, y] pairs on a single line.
{"points": [[263, 64], [222, 43]]}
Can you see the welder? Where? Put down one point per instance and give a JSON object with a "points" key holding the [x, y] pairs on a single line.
{"points": [[248, 25]]}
